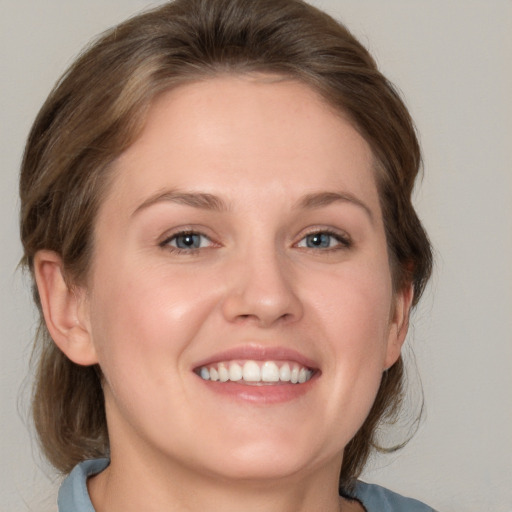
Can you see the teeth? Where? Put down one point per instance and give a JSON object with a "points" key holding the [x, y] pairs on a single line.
{"points": [[251, 372], [235, 372], [269, 372], [223, 373], [285, 373], [294, 376], [256, 372]]}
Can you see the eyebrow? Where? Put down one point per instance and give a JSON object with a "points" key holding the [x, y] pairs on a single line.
{"points": [[321, 199], [205, 201], [200, 200]]}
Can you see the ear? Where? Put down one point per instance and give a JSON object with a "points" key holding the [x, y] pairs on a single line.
{"points": [[399, 324], [64, 309]]}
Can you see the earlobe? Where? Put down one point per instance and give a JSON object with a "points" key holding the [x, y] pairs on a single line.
{"points": [[399, 325], [63, 308]]}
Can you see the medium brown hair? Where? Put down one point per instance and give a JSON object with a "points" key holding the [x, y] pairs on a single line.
{"points": [[97, 110]]}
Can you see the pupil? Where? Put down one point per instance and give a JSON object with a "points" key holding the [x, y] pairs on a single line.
{"points": [[188, 241], [318, 240]]}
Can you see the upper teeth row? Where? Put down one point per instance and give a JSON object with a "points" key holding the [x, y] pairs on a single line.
{"points": [[252, 371]]}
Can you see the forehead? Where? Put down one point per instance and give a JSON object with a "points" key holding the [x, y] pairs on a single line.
{"points": [[251, 130]]}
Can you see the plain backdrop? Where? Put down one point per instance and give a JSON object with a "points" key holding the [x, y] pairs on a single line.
{"points": [[451, 61]]}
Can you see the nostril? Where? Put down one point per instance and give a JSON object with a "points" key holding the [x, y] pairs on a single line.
{"points": [[261, 319]]}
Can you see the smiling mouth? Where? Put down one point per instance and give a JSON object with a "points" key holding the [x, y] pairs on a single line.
{"points": [[253, 372]]}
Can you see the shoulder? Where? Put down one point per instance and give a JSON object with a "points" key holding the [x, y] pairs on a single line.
{"points": [[378, 499], [73, 494]]}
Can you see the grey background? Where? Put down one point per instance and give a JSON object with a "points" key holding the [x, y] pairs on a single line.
{"points": [[452, 62]]}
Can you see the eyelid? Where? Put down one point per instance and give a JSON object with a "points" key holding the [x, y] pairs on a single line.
{"points": [[344, 239], [164, 243]]}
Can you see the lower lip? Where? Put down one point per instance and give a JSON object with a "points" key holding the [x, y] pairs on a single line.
{"points": [[260, 394]]}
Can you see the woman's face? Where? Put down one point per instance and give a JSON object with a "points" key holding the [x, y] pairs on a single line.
{"points": [[241, 239]]}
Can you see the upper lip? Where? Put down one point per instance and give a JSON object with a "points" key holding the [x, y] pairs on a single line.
{"points": [[258, 353]]}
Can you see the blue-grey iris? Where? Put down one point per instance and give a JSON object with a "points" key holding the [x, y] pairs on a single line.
{"points": [[188, 241], [318, 240]]}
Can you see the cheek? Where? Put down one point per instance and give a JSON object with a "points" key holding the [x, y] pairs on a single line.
{"points": [[353, 314], [143, 324], [353, 303], [146, 315]]}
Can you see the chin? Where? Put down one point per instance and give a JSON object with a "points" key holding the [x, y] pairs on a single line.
{"points": [[263, 467], [267, 457]]}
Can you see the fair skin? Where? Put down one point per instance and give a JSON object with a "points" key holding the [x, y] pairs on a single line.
{"points": [[243, 225]]}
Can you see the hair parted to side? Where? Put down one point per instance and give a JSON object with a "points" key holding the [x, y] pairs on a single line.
{"points": [[97, 110]]}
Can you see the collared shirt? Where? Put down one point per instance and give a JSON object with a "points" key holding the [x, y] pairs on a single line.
{"points": [[74, 497]]}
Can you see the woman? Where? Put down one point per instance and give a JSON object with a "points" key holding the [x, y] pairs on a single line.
{"points": [[216, 210]]}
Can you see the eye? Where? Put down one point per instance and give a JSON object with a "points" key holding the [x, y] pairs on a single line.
{"points": [[186, 241], [324, 240]]}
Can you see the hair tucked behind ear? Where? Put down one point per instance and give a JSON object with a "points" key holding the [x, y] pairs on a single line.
{"points": [[98, 108], [73, 424]]}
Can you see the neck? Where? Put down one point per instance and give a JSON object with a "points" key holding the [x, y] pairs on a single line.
{"points": [[129, 484]]}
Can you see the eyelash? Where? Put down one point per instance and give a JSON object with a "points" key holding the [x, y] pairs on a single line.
{"points": [[166, 244], [344, 242]]}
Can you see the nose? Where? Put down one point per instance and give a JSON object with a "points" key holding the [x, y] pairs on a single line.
{"points": [[261, 290]]}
